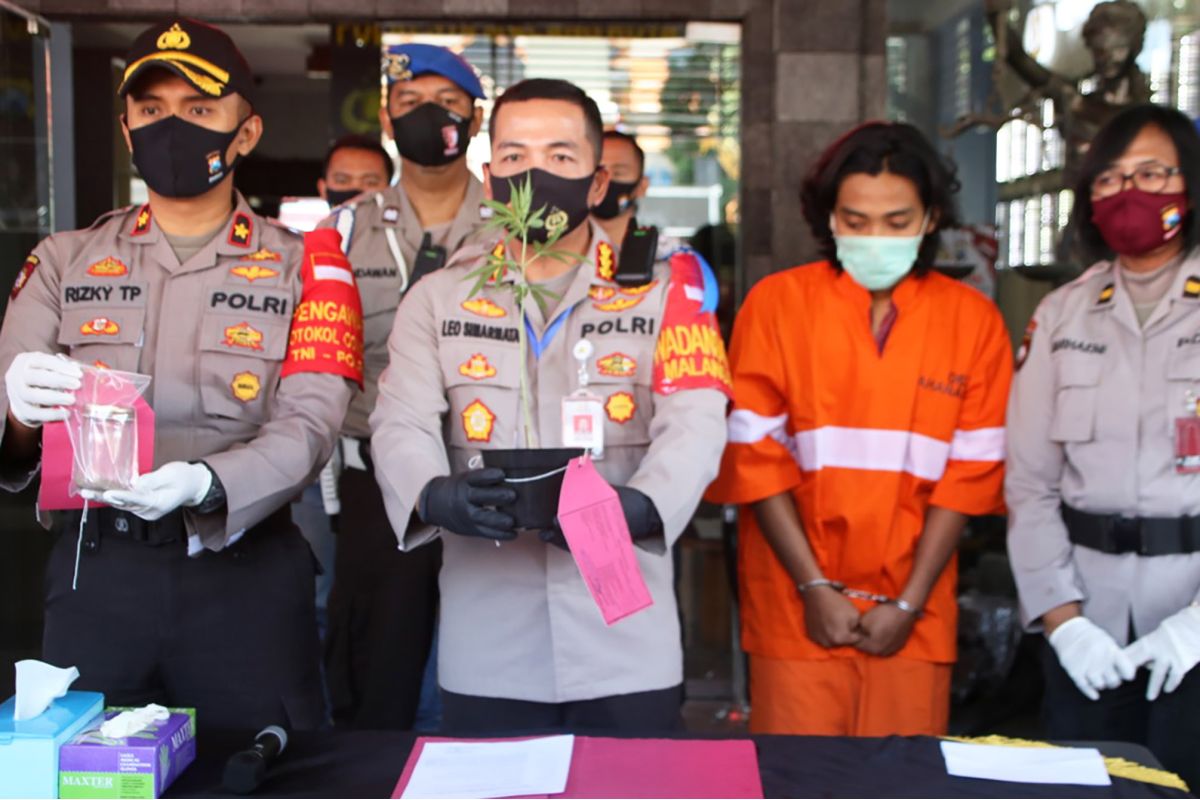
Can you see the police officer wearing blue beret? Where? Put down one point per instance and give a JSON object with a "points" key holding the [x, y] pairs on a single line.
{"points": [[383, 605]]}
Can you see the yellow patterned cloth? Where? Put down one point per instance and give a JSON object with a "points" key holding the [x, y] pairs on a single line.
{"points": [[1117, 767]]}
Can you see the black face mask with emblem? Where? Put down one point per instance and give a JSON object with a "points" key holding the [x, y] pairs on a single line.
{"points": [[565, 199], [431, 135], [180, 159], [617, 200]]}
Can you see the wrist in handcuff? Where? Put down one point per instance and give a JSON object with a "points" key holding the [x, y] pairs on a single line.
{"points": [[838, 586]]}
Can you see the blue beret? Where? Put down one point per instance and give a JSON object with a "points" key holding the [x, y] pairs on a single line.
{"points": [[403, 62]]}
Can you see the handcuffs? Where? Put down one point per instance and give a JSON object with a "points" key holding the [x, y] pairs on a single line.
{"points": [[862, 594]]}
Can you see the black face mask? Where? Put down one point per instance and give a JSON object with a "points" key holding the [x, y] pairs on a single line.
{"points": [[565, 200], [336, 197], [617, 201], [180, 159], [432, 135]]}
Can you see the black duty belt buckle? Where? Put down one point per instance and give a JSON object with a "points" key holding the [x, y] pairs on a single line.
{"points": [[1127, 534]]}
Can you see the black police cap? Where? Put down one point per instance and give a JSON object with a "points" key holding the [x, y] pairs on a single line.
{"points": [[202, 55]]}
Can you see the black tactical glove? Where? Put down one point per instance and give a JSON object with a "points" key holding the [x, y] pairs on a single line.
{"points": [[459, 503], [640, 515]]}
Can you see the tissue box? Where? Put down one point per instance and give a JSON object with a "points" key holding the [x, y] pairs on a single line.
{"points": [[140, 766], [29, 750]]}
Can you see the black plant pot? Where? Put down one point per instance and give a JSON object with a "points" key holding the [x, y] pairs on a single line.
{"points": [[537, 500]]}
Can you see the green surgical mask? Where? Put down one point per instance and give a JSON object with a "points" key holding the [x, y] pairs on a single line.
{"points": [[878, 262]]}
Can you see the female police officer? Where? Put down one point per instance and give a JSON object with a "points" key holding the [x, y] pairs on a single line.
{"points": [[1102, 475]]}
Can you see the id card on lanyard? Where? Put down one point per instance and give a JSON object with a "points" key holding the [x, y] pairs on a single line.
{"points": [[1187, 438], [583, 411]]}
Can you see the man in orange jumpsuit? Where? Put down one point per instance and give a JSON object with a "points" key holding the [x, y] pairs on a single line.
{"points": [[869, 400]]}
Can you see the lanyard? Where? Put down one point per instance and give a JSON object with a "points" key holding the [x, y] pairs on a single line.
{"points": [[538, 346]]}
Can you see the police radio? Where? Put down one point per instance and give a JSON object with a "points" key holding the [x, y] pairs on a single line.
{"points": [[430, 258], [639, 251]]}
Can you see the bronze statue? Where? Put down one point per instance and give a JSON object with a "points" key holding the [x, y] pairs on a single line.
{"points": [[1114, 33]]}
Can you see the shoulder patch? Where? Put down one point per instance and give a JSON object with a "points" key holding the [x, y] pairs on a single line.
{"points": [[240, 229], [141, 223], [606, 262], [23, 276]]}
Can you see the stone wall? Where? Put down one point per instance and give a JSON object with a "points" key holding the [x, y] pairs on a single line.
{"points": [[811, 68]]}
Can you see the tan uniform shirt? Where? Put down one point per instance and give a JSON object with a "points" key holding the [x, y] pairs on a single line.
{"points": [[384, 233], [211, 332], [517, 620], [1091, 424]]}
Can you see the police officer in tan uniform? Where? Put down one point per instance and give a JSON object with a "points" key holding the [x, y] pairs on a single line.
{"points": [[383, 605], [522, 644], [1103, 471], [193, 588]]}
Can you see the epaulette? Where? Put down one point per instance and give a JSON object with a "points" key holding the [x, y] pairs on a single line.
{"points": [[107, 215]]}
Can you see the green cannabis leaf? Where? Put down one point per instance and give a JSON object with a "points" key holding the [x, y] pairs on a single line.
{"points": [[516, 219]]}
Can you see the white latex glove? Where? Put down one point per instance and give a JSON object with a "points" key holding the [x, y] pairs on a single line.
{"points": [[40, 387], [329, 482], [1090, 656], [158, 493], [1172, 649]]}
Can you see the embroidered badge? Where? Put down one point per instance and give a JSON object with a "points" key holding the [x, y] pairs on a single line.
{"points": [[482, 307], [108, 268], [100, 326], [253, 272], [23, 276], [245, 386], [240, 230], [606, 262], [244, 336], [477, 368], [263, 254], [620, 407], [478, 422], [616, 365]]}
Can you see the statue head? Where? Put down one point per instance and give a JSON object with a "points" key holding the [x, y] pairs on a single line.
{"points": [[1114, 33]]}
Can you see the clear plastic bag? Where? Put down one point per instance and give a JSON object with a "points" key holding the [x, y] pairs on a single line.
{"points": [[102, 427]]}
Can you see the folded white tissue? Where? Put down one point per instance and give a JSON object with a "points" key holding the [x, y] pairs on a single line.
{"points": [[38, 684], [130, 723]]}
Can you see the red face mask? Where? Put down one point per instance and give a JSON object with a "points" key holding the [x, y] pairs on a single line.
{"points": [[1134, 222]]}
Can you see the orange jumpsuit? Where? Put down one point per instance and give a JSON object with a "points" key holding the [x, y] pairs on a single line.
{"points": [[865, 441]]}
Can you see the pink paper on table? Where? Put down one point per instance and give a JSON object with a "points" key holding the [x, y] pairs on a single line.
{"points": [[595, 528], [650, 768], [57, 457]]}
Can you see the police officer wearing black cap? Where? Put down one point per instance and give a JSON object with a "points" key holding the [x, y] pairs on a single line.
{"points": [[191, 588]]}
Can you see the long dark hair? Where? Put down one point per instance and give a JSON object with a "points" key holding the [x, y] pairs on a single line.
{"points": [[873, 148], [1110, 144]]}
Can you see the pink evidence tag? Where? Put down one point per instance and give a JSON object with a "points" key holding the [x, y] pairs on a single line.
{"points": [[1187, 444], [593, 523]]}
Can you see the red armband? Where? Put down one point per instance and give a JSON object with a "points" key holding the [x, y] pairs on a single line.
{"points": [[690, 353], [327, 327]]}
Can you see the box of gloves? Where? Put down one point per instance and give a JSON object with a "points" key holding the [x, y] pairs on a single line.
{"points": [[128, 753]]}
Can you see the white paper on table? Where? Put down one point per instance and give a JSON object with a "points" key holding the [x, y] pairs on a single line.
{"points": [[492, 769], [1083, 766]]}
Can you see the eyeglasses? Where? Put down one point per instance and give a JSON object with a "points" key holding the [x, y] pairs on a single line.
{"points": [[1150, 178]]}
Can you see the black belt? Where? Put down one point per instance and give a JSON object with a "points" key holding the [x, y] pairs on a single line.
{"points": [[1147, 536], [108, 521]]}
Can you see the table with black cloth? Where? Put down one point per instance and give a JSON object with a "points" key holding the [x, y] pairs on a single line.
{"points": [[368, 764]]}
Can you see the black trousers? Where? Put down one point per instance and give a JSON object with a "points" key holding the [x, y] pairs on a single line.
{"points": [[1170, 726], [232, 634], [655, 711], [382, 614]]}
